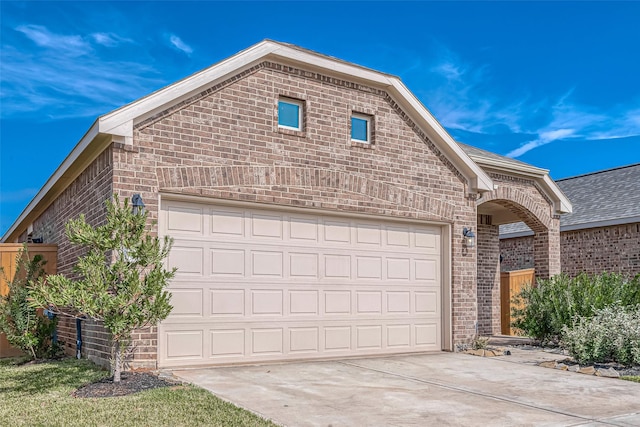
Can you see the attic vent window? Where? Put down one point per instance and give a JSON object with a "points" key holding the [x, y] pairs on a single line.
{"points": [[361, 128], [290, 114]]}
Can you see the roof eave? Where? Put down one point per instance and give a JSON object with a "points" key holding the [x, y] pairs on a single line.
{"points": [[64, 167]]}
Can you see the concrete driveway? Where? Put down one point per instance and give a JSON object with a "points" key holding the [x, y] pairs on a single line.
{"points": [[423, 390]]}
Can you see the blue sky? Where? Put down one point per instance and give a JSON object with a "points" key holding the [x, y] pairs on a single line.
{"points": [[553, 84]]}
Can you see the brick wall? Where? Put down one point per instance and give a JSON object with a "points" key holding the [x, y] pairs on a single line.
{"points": [[85, 195], [594, 250], [517, 253], [488, 248], [614, 249], [225, 144]]}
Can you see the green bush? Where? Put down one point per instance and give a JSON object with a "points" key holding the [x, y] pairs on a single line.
{"points": [[24, 328], [611, 335], [555, 303]]}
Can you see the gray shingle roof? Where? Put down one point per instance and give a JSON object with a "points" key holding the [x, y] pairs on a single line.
{"points": [[598, 198]]}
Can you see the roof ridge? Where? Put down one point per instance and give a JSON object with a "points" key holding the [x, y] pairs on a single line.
{"points": [[597, 172]]}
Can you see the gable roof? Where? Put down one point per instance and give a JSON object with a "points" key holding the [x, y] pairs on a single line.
{"points": [[602, 198], [492, 161], [117, 126]]}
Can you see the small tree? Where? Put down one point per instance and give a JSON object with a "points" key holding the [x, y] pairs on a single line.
{"points": [[19, 321], [120, 280]]}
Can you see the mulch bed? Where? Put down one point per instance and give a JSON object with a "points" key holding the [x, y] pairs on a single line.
{"points": [[131, 382]]}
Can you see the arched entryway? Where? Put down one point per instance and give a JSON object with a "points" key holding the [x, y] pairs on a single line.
{"points": [[503, 206]]}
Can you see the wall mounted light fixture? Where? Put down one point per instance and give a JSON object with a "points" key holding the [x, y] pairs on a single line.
{"points": [[469, 237], [137, 204]]}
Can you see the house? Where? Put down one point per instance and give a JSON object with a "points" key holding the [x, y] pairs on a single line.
{"points": [[601, 234], [318, 211]]}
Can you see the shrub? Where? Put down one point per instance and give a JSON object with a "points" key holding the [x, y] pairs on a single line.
{"points": [[611, 335], [120, 280], [20, 322], [555, 303]]}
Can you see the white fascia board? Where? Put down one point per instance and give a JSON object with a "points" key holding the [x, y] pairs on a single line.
{"points": [[55, 177], [563, 205], [511, 167], [516, 234], [470, 169]]}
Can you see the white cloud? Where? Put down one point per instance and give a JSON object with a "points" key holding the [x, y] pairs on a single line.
{"points": [[179, 44], [108, 39], [463, 97], [73, 45], [68, 78]]}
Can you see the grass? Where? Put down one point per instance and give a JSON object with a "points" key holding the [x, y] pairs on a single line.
{"points": [[634, 378], [40, 395]]}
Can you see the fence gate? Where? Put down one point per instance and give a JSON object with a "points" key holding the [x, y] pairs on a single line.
{"points": [[511, 282], [8, 257]]}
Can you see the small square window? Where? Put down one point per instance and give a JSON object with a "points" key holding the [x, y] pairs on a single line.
{"points": [[290, 114], [361, 128]]}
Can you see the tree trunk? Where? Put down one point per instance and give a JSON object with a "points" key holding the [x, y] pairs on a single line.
{"points": [[117, 367]]}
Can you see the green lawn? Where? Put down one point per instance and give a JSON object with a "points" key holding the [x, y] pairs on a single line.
{"points": [[40, 395], [634, 378]]}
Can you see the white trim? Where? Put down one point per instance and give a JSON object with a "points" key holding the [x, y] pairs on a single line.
{"points": [[298, 103], [367, 119], [477, 178], [516, 234], [55, 177]]}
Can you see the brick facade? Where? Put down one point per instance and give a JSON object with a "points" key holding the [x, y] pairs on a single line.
{"points": [[615, 249], [85, 195], [224, 143], [522, 197], [488, 279]]}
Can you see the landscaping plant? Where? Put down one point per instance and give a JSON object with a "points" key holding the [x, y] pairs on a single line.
{"points": [[19, 321], [120, 280], [611, 335], [545, 309]]}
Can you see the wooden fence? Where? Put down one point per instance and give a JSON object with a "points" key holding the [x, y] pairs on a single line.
{"points": [[511, 282], [8, 260]]}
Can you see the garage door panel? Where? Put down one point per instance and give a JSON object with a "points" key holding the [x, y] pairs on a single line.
{"points": [[303, 265], [188, 260], [227, 302], [266, 263], [228, 343], [368, 302], [267, 302], [368, 267], [226, 223], [184, 344], [266, 226], [267, 341], [304, 340], [225, 262], [303, 229], [303, 303], [186, 302], [256, 285]]}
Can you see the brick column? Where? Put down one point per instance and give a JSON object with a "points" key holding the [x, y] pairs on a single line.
{"points": [[488, 250], [546, 251]]}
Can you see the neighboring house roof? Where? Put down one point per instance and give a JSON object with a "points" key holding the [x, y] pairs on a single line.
{"points": [[602, 198], [117, 126], [497, 163]]}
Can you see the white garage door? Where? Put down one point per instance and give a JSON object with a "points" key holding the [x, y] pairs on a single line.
{"points": [[264, 285]]}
